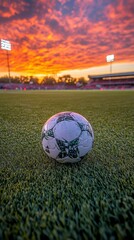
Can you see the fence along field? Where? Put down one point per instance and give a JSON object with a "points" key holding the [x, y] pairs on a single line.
{"points": [[93, 199]]}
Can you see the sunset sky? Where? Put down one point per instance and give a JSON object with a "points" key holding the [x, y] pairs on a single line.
{"points": [[67, 36]]}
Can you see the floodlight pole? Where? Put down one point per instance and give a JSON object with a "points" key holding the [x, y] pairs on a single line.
{"points": [[111, 67], [6, 45], [110, 71], [8, 66], [110, 59]]}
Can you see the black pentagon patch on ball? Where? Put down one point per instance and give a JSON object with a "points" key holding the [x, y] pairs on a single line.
{"points": [[47, 149], [85, 127], [47, 134], [66, 116], [68, 149]]}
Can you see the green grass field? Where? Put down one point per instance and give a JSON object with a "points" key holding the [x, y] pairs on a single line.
{"points": [[92, 199]]}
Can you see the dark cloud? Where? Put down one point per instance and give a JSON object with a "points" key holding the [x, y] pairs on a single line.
{"points": [[52, 44], [68, 7], [56, 27], [81, 41], [25, 9], [58, 6]]}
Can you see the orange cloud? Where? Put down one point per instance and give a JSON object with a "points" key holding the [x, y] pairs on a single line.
{"points": [[62, 35]]}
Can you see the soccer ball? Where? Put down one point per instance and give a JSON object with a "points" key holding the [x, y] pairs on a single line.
{"points": [[67, 137]]}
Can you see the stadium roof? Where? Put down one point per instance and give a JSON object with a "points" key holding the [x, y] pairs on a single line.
{"points": [[125, 74]]}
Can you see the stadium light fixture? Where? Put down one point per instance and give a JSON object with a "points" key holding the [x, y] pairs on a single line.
{"points": [[110, 59], [6, 45]]}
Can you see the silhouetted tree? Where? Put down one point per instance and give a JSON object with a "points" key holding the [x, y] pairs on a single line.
{"points": [[15, 79], [61, 80], [24, 79], [81, 82], [4, 79], [48, 80], [67, 79], [33, 80]]}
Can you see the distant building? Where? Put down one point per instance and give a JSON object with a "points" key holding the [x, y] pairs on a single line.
{"points": [[111, 81]]}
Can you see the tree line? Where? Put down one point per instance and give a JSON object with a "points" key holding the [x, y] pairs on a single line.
{"points": [[46, 80]]}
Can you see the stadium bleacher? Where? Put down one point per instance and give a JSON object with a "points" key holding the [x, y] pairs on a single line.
{"points": [[111, 81]]}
